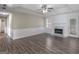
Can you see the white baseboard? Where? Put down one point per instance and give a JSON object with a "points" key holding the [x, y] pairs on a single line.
{"points": [[74, 36], [19, 33]]}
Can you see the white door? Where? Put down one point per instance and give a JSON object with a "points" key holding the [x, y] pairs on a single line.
{"points": [[74, 26]]}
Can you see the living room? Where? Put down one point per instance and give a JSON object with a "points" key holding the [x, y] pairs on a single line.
{"points": [[40, 28]]}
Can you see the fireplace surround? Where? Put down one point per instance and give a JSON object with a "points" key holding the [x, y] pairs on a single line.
{"points": [[59, 31]]}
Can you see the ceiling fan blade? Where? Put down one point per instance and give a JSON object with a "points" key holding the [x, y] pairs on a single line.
{"points": [[50, 8], [4, 6]]}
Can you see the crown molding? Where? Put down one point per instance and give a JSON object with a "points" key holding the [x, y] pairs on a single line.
{"points": [[68, 12]]}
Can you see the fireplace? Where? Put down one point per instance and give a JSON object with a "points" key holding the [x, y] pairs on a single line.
{"points": [[58, 31]]}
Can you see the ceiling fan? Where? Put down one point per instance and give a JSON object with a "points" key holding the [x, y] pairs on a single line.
{"points": [[3, 7], [3, 11], [46, 8]]}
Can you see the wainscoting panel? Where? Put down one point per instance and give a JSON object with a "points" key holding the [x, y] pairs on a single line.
{"points": [[19, 33]]}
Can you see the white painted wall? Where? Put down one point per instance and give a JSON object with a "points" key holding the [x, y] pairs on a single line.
{"points": [[62, 20]]}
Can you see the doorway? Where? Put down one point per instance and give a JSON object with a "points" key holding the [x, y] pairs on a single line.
{"points": [[2, 27]]}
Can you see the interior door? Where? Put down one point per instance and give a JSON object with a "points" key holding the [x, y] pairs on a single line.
{"points": [[74, 27]]}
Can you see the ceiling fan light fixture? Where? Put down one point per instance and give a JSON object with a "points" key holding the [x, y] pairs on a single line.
{"points": [[44, 11]]}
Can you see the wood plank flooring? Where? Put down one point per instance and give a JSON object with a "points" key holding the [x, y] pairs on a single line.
{"points": [[40, 44], [2, 42]]}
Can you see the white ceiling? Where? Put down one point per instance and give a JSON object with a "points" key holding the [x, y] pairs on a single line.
{"points": [[34, 8]]}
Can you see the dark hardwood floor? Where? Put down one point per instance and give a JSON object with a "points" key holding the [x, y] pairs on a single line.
{"points": [[39, 44]]}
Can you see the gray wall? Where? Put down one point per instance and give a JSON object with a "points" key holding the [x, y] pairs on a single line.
{"points": [[21, 20]]}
